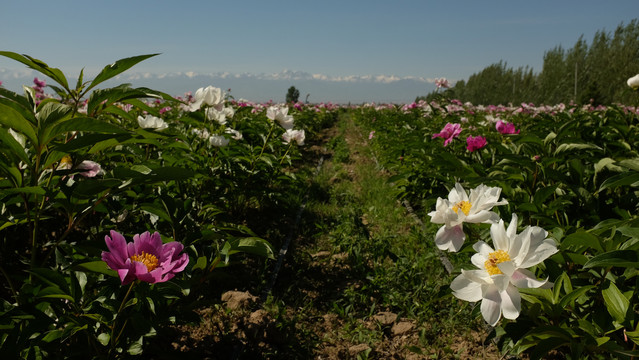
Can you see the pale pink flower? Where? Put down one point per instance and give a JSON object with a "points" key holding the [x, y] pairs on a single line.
{"points": [[90, 168], [442, 83]]}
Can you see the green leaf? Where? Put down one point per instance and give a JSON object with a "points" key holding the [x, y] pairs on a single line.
{"points": [[251, 245], [542, 194], [200, 263], [51, 277], [616, 258], [104, 339], [572, 147], [632, 164], [117, 68], [13, 119], [86, 124], [568, 299], [624, 179], [38, 65], [616, 303], [99, 267], [15, 147], [606, 163], [582, 239]]}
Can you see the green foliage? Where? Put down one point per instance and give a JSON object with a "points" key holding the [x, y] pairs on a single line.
{"points": [[571, 171], [584, 74], [292, 95], [57, 298]]}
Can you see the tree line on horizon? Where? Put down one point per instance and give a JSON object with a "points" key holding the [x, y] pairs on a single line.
{"points": [[584, 74]]}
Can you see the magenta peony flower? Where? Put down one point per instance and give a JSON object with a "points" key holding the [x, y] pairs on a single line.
{"points": [[145, 259], [506, 128], [475, 143], [449, 132]]}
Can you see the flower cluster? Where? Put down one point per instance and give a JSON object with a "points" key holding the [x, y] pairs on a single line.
{"points": [[501, 269], [286, 121], [213, 100]]}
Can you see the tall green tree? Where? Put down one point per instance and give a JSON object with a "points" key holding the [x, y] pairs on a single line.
{"points": [[293, 95]]}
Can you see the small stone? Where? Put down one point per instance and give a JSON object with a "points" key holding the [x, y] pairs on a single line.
{"points": [[402, 328], [356, 349], [385, 318], [238, 299]]}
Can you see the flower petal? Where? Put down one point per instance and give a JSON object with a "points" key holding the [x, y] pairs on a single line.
{"points": [[525, 279], [482, 216], [499, 236], [466, 289], [117, 255], [510, 303], [491, 305], [450, 239]]}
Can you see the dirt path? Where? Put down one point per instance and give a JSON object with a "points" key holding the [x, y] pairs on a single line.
{"points": [[353, 284]]}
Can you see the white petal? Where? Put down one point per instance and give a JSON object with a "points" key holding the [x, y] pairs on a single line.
{"points": [[478, 276], [501, 281], [512, 227], [507, 267], [457, 194], [466, 289], [491, 305], [450, 238], [482, 216], [525, 279], [510, 303], [499, 236], [541, 253]]}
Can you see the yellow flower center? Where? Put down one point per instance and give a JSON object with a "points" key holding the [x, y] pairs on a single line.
{"points": [[65, 163], [494, 258], [464, 206], [149, 260]]}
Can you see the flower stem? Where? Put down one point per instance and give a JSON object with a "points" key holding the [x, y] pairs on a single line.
{"points": [[115, 320]]}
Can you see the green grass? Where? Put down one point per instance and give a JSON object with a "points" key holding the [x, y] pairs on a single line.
{"points": [[381, 258]]}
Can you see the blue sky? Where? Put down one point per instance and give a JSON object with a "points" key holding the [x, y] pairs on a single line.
{"points": [[328, 42]]}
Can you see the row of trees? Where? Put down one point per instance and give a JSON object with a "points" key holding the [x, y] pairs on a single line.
{"points": [[585, 73]]}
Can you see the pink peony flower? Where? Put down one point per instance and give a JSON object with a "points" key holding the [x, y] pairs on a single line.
{"points": [[506, 128], [449, 132], [145, 259], [90, 168], [442, 83], [475, 143]]}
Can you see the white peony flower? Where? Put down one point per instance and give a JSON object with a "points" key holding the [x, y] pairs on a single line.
{"points": [[503, 270], [210, 96], [201, 133], [633, 82], [294, 135], [280, 114], [236, 135], [152, 122], [461, 208], [218, 140], [213, 114]]}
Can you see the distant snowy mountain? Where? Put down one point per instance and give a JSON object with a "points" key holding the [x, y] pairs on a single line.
{"points": [[263, 87]]}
